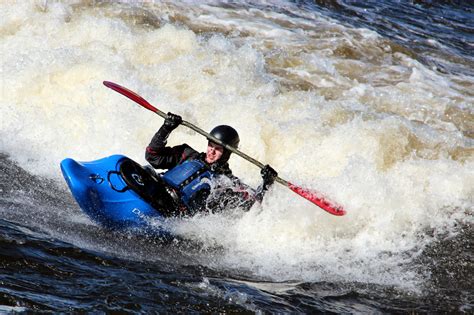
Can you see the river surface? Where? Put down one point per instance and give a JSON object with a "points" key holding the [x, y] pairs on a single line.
{"points": [[368, 102]]}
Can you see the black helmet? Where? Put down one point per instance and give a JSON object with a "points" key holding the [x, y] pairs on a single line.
{"points": [[227, 135]]}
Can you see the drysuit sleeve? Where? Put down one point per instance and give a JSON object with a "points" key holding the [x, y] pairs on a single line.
{"points": [[249, 196], [163, 157], [239, 195], [268, 175]]}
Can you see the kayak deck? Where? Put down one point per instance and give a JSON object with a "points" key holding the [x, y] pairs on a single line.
{"points": [[117, 192]]}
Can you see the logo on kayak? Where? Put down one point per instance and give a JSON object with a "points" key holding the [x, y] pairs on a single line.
{"points": [[139, 213], [138, 179]]}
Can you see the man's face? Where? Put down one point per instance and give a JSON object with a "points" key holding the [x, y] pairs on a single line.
{"points": [[214, 152]]}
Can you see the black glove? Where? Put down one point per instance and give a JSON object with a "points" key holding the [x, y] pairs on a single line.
{"points": [[268, 175], [172, 121]]}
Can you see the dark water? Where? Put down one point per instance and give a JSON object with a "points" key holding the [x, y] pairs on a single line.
{"points": [[41, 269], [441, 33], [43, 274], [39, 273]]}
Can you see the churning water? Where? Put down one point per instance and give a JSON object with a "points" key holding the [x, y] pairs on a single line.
{"points": [[368, 102]]}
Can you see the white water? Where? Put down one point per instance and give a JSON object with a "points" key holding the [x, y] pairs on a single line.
{"points": [[379, 133]]}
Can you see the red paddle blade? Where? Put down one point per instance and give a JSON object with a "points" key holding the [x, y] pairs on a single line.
{"points": [[318, 200], [130, 94]]}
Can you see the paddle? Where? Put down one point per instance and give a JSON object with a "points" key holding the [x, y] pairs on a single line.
{"points": [[314, 197]]}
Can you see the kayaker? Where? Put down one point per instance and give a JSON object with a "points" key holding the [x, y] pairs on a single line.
{"points": [[192, 176]]}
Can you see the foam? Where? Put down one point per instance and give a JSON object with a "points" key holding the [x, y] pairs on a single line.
{"points": [[376, 141]]}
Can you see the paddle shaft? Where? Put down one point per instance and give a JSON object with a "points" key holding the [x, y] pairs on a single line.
{"points": [[215, 140], [313, 197]]}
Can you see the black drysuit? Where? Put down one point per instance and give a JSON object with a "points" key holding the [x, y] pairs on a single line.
{"points": [[237, 194]]}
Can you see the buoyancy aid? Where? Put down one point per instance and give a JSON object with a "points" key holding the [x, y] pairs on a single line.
{"points": [[189, 178]]}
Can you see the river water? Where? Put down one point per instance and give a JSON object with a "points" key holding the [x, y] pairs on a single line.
{"points": [[369, 102]]}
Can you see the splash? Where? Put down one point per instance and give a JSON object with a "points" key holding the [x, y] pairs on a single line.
{"points": [[337, 109]]}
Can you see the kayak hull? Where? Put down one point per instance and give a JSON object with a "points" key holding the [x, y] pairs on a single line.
{"points": [[104, 194]]}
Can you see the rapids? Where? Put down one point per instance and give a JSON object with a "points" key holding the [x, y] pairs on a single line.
{"points": [[380, 119]]}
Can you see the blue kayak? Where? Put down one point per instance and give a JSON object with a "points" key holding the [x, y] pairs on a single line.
{"points": [[118, 193]]}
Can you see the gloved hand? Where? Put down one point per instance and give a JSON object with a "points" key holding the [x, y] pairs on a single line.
{"points": [[173, 121], [268, 175]]}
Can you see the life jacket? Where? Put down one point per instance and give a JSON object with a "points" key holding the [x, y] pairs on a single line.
{"points": [[189, 178]]}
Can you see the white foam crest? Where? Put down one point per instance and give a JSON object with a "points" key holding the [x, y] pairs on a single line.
{"points": [[389, 216]]}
